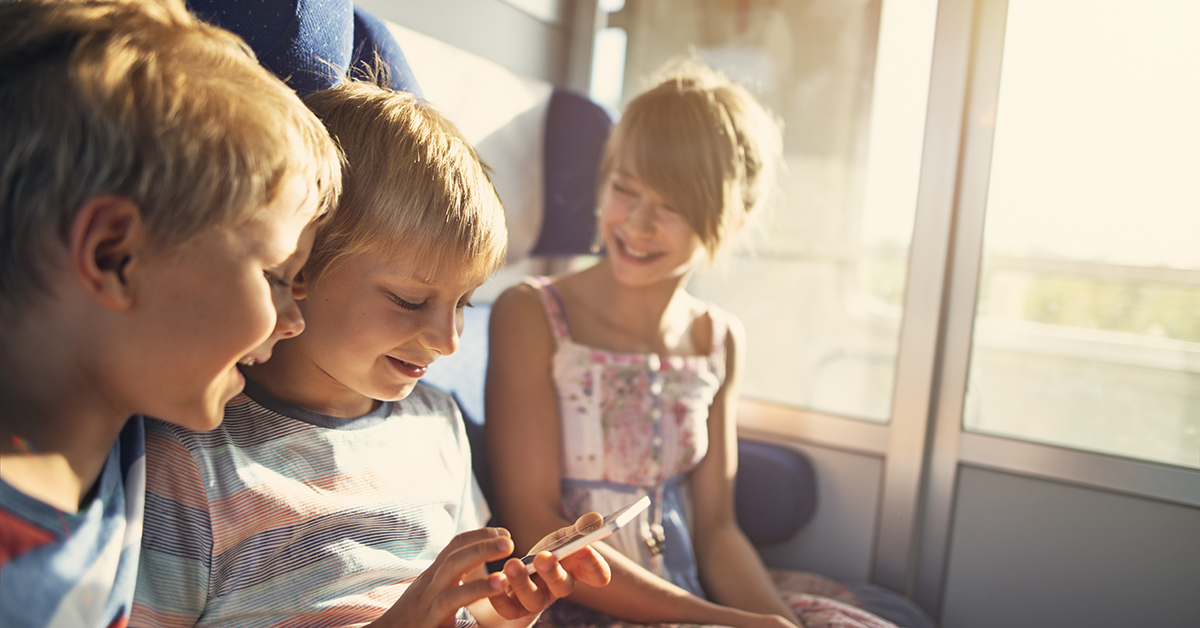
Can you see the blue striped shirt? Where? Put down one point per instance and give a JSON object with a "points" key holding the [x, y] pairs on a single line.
{"points": [[286, 517], [75, 570]]}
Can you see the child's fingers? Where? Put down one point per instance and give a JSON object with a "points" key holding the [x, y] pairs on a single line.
{"points": [[554, 577], [425, 604], [588, 566], [588, 520], [530, 593], [582, 524], [467, 552], [468, 593], [467, 538], [508, 607]]}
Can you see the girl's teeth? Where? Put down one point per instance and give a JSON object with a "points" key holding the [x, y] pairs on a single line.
{"points": [[636, 254]]}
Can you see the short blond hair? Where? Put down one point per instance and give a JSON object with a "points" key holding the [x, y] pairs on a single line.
{"points": [[413, 186], [141, 100], [701, 141]]}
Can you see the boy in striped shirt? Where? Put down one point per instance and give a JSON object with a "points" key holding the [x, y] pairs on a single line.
{"points": [[339, 489]]}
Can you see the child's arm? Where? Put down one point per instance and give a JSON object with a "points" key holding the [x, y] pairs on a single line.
{"points": [[524, 438], [730, 569], [524, 447]]}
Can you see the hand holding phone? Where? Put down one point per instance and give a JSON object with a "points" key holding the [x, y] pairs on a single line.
{"points": [[598, 531]]}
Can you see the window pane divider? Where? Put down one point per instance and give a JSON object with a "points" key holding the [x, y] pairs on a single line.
{"points": [[1138, 478], [902, 501]]}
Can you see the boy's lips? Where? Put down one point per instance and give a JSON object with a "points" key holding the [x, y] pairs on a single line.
{"points": [[255, 358], [414, 371]]}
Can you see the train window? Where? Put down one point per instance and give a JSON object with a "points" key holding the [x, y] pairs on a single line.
{"points": [[821, 280], [1087, 329]]}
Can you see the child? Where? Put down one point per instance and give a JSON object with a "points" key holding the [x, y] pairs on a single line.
{"points": [[338, 478], [634, 382], [157, 188]]}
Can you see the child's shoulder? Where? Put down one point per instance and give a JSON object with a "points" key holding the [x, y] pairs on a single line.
{"points": [[711, 321], [523, 303], [527, 289]]}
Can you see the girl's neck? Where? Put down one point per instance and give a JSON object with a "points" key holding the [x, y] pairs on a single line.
{"points": [[648, 302], [655, 318]]}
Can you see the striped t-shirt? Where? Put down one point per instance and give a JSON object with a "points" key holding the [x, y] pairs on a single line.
{"points": [[75, 570], [286, 517]]}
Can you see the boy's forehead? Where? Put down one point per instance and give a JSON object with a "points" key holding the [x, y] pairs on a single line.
{"points": [[432, 268]]}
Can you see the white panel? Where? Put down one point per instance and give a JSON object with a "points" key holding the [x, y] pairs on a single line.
{"points": [[544, 10], [1032, 553], [495, 29], [501, 113]]}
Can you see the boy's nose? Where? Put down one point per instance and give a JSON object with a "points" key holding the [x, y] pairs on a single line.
{"points": [[289, 322], [442, 334]]}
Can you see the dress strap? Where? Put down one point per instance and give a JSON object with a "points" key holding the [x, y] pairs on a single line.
{"points": [[552, 302], [720, 331]]}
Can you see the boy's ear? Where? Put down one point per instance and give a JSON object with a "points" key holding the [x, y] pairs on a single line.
{"points": [[299, 286], [106, 242]]}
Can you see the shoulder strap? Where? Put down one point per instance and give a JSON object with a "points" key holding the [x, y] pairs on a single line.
{"points": [[552, 302], [720, 331]]}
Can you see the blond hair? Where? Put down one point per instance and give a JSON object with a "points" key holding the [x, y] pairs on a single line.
{"points": [[141, 100], [412, 186], [702, 142]]}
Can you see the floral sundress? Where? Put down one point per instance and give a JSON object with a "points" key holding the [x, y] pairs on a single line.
{"points": [[636, 424]]}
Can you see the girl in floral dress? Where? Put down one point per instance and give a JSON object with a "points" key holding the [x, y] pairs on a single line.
{"points": [[613, 382]]}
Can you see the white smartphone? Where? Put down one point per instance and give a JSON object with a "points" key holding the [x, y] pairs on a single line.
{"points": [[596, 532]]}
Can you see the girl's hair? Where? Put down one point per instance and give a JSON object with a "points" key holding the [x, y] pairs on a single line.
{"points": [[703, 143], [412, 186], [140, 100]]}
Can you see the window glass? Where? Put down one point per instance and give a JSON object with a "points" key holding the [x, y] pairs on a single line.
{"points": [[1087, 330], [819, 282]]}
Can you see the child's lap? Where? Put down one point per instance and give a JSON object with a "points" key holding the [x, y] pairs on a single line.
{"points": [[818, 601]]}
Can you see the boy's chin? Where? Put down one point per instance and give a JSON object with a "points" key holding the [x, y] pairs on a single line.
{"points": [[201, 419], [212, 412], [395, 393]]}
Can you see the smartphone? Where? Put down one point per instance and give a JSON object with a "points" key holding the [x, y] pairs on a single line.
{"points": [[598, 531]]}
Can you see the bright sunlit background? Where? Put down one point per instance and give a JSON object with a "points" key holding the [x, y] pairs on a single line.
{"points": [[1088, 322]]}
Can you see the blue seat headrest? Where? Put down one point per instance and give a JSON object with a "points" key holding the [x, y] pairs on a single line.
{"points": [[307, 43], [576, 130], [310, 44], [371, 38]]}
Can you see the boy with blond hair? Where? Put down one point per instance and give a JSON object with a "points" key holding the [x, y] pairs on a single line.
{"points": [[158, 191], [339, 490]]}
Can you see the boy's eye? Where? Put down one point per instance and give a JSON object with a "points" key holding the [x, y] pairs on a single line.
{"points": [[277, 282], [408, 305], [465, 304]]}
